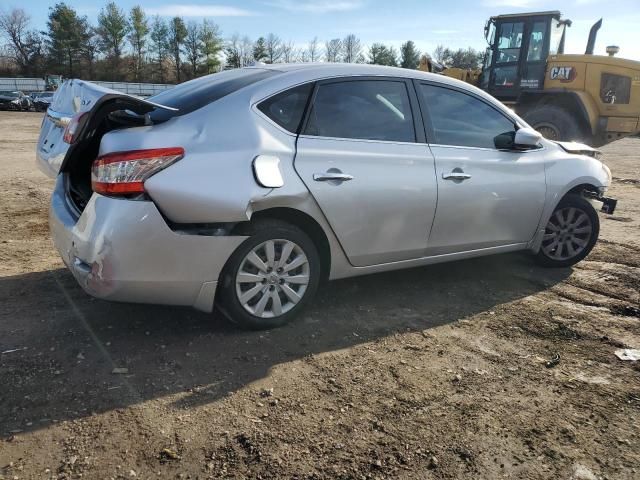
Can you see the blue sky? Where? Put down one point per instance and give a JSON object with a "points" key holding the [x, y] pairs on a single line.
{"points": [[454, 23]]}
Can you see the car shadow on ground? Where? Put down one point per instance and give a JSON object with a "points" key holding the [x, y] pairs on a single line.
{"points": [[62, 346]]}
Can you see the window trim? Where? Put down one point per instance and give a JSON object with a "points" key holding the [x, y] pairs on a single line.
{"points": [[255, 109], [414, 107], [428, 124]]}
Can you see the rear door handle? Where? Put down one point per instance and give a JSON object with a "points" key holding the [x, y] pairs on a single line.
{"points": [[456, 176], [335, 176]]}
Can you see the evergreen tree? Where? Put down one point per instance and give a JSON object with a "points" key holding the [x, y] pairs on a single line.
{"points": [[380, 54], [260, 50], [66, 35], [112, 29], [160, 44], [138, 31], [409, 55], [177, 36], [211, 45]]}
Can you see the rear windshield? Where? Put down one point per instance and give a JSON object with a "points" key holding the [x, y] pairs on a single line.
{"points": [[195, 94]]}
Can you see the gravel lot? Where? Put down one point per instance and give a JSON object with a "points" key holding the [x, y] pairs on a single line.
{"points": [[437, 372]]}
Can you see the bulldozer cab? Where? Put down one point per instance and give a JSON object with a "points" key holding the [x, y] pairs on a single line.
{"points": [[516, 57]]}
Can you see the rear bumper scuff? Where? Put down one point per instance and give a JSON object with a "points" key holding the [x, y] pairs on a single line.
{"points": [[123, 250]]}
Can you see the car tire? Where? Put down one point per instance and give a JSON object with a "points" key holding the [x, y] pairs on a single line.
{"points": [[570, 234], [555, 123], [269, 291]]}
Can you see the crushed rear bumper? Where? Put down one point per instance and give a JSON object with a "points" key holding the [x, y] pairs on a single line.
{"points": [[123, 250]]}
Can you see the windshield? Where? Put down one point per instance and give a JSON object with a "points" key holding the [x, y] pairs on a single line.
{"points": [[557, 31], [10, 94]]}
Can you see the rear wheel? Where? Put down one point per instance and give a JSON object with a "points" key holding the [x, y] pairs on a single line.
{"points": [[271, 277], [570, 233], [555, 123]]}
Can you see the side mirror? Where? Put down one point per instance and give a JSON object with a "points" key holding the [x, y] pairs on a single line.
{"points": [[527, 138], [504, 141]]}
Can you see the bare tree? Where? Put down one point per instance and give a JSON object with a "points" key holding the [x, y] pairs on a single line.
{"points": [[333, 50], [239, 51], [273, 46], [193, 46], [440, 54], [288, 52], [25, 45], [313, 50], [352, 49], [247, 51]]}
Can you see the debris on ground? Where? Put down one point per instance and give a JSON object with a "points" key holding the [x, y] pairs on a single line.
{"points": [[629, 354], [553, 362]]}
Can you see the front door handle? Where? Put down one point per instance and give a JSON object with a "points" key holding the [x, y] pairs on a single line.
{"points": [[456, 175], [335, 176]]}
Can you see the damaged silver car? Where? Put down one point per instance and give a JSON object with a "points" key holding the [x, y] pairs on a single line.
{"points": [[244, 189]]}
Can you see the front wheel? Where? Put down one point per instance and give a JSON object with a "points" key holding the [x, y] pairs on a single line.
{"points": [[271, 277], [570, 234]]}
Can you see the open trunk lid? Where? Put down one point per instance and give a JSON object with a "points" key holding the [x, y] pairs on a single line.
{"points": [[75, 97]]}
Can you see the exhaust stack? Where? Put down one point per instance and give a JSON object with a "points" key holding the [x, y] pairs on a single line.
{"points": [[593, 33]]}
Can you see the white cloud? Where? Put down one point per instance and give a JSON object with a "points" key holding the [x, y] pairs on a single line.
{"points": [[317, 6], [199, 11]]}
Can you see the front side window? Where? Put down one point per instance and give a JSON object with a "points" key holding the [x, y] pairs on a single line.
{"points": [[463, 120], [362, 109], [287, 108], [510, 41]]}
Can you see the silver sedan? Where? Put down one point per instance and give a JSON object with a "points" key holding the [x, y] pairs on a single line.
{"points": [[246, 188]]}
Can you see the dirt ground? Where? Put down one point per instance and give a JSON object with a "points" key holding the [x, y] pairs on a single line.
{"points": [[437, 372]]}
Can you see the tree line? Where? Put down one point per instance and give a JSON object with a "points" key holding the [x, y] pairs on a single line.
{"points": [[132, 46]]}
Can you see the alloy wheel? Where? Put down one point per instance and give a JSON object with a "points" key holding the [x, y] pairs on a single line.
{"points": [[567, 234], [273, 278]]}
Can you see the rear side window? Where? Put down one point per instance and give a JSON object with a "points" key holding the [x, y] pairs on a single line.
{"points": [[362, 109], [287, 108], [462, 120], [195, 94]]}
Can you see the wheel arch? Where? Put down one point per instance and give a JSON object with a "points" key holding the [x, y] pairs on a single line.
{"points": [[578, 187], [307, 224]]}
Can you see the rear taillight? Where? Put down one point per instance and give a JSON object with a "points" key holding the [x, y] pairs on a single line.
{"points": [[72, 129], [124, 173]]}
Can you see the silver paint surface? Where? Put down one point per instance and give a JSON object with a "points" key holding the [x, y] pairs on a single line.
{"points": [[398, 211]]}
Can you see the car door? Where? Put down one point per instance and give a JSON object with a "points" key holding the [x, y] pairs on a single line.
{"points": [[361, 154], [486, 197]]}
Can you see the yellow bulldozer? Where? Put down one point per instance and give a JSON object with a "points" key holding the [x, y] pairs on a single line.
{"points": [[594, 99]]}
